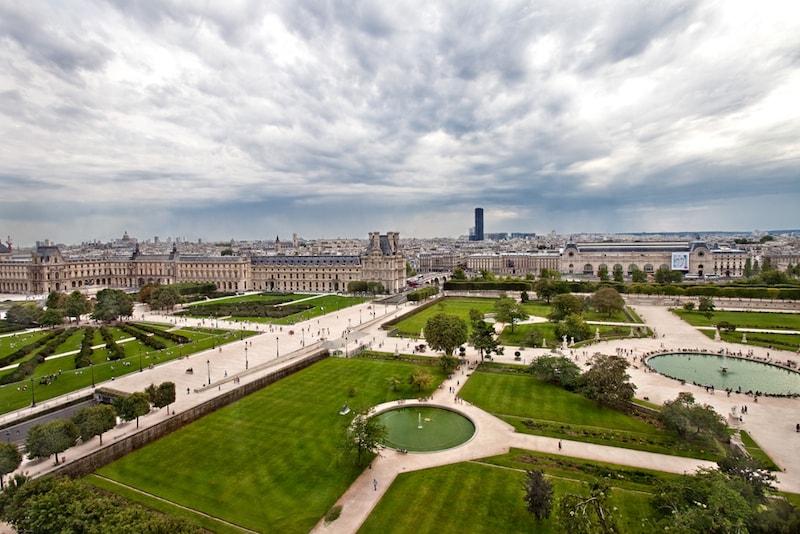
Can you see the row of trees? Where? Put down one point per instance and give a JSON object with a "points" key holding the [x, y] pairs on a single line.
{"points": [[372, 288], [606, 382], [109, 305]]}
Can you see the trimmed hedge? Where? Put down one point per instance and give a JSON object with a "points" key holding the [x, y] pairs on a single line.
{"points": [[84, 357], [115, 352], [472, 285], [422, 294], [27, 349], [150, 341], [176, 338]]}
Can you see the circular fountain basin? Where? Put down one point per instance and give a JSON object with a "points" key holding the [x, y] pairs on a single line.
{"points": [[425, 428], [725, 372]]}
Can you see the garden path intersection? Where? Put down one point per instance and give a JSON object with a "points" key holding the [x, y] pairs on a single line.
{"points": [[770, 421]]}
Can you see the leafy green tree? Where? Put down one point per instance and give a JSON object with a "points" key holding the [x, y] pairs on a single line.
{"points": [[602, 272], [608, 301], [75, 305], [112, 304], [766, 264], [565, 304], [618, 274], [458, 274], [546, 288], [24, 314], [475, 316], [688, 306], [579, 514], [706, 305], [226, 252], [638, 275], [52, 437], [410, 271], [364, 436], [509, 311], [448, 364], [538, 494], [608, 382], [10, 459], [524, 297], [95, 421], [52, 317], [692, 421], [165, 298], [555, 370], [748, 268], [754, 481], [421, 379], [665, 275], [133, 406], [55, 299], [482, 338], [445, 332], [487, 275], [550, 274], [165, 395], [394, 383], [573, 326]]}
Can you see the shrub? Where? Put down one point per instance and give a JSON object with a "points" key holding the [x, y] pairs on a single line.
{"points": [[115, 352], [150, 341], [333, 514], [422, 294]]}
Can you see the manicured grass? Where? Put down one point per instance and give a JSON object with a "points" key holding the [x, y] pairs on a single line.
{"points": [[535, 407], [481, 498], [260, 297], [790, 342], [757, 452], [18, 394], [6, 327], [271, 462], [318, 306], [519, 337], [770, 320], [413, 324], [10, 344]]}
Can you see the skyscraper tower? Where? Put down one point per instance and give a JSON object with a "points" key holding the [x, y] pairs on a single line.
{"points": [[478, 224]]}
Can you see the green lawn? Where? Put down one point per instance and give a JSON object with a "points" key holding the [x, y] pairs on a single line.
{"points": [[413, 324], [18, 394], [9, 344], [260, 297], [272, 461], [536, 407], [790, 342], [479, 497], [319, 306], [757, 452], [771, 320], [519, 337]]}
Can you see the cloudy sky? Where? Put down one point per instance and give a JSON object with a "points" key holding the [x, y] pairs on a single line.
{"points": [[248, 119]]}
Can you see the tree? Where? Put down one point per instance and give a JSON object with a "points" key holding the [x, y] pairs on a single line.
{"points": [[486, 275], [754, 481], [24, 314], [52, 317], [579, 514], [482, 338], [448, 364], [665, 275], [49, 438], [133, 406], [688, 306], [766, 264], [692, 421], [748, 268], [602, 272], [546, 288], [509, 311], [524, 297], [164, 298], [608, 301], [565, 304], [410, 271], [165, 395], [394, 382], [94, 421], [445, 332], [420, 378], [226, 252], [475, 316], [146, 293], [458, 274], [756, 267], [607, 382], [112, 304], [638, 275], [618, 274], [76, 305], [555, 370], [55, 299], [573, 326], [538, 494], [364, 436], [706, 305], [10, 459]]}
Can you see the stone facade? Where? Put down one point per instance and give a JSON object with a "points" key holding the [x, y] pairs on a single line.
{"points": [[46, 269]]}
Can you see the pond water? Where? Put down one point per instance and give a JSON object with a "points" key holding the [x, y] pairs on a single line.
{"points": [[425, 428], [727, 373]]}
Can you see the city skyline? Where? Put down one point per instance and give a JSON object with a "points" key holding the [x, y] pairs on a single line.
{"points": [[185, 119]]}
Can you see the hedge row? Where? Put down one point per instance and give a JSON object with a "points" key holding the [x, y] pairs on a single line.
{"points": [[422, 294], [84, 357], [25, 369], [172, 336], [115, 352], [27, 349], [246, 309], [472, 285], [150, 341]]}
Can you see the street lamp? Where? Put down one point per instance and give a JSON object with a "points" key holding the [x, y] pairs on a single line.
{"points": [[208, 364], [91, 367], [277, 347], [246, 363], [140, 359], [359, 315], [33, 397]]}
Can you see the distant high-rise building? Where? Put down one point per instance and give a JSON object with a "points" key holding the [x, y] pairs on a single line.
{"points": [[477, 235]]}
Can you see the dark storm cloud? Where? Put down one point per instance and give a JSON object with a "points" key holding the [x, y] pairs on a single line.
{"points": [[253, 115]]}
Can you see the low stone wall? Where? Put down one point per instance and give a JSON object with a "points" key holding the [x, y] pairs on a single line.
{"points": [[719, 302], [113, 451]]}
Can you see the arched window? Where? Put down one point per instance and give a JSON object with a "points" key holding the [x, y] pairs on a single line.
{"points": [[632, 267], [663, 266], [648, 267], [587, 269]]}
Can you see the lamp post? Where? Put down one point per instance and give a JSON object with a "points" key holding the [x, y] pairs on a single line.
{"points": [[140, 359], [91, 368], [208, 364], [33, 397], [359, 315], [246, 364], [277, 347]]}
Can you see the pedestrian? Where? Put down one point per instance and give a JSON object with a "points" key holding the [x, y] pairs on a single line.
{"points": [[374, 485], [559, 444]]}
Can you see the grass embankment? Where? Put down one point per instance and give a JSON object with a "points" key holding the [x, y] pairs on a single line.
{"points": [[757, 452], [487, 495], [271, 305], [264, 298], [790, 342], [64, 378], [272, 461], [535, 407], [768, 320], [520, 337]]}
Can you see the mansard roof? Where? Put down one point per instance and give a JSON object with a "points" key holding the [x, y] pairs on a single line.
{"points": [[306, 260]]}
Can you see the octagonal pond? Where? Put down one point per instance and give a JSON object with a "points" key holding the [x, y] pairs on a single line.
{"points": [[727, 372], [425, 428]]}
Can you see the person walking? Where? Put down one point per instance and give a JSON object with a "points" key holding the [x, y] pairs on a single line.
{"points": [[559, 444], [374, 485]]}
